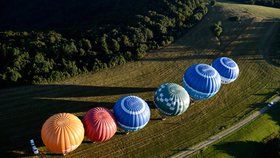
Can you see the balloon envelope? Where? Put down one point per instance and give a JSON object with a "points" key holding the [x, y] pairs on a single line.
{"points": [[227, 68], [132, 113], [171, 99], [62, 133], [201, 81], [100, 124]]}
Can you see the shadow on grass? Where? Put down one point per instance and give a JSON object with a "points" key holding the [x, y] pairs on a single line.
{"points": [[121, 133], [274, 113], [151, 104], [57, 15], [246, 45], [87, 141], [257, 105], [24, 110], [183, 57], [11, 154], [85, 91], [247, 149], [267, 95], [157, 119]]}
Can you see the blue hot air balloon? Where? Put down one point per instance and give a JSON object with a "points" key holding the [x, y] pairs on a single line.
{"points": [[171, 99], [227, 68], [201, 81], [132, 113]]}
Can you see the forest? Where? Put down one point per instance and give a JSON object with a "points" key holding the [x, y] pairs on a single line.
{"points": [[47, 40]]}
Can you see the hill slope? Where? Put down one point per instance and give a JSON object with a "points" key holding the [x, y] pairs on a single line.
{"points": [[95, 35], [23, 110]]}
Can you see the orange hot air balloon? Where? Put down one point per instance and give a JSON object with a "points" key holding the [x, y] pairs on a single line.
{"points": [[100, 124], [62, 133]]}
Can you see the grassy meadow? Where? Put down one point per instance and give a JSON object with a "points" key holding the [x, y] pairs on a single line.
{"points": [[261, 11], [249, 140], [23, 110]]}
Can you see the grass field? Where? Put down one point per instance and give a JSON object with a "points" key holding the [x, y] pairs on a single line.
{"points": [[261, 11], [249, 141], [23, 110]]}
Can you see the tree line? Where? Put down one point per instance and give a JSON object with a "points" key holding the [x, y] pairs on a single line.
{"points": [[271, 148], [43, 56]]}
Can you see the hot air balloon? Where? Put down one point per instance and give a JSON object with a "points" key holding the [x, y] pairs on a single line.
{"points": [[171, 99], [100, 124], [201, 81], [227, 68], [62, 133], [132, 113]]}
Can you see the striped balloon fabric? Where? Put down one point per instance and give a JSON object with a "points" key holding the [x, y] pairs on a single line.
{"points": [[201, 81], [132, 113], [171, 99], [62, 133], [227, 68]]}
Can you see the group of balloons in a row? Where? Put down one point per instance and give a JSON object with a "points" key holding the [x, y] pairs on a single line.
{"points": [[64, 132]]}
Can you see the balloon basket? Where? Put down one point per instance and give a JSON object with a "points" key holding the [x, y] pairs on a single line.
{"points": [[163, 116], [191, 101]]}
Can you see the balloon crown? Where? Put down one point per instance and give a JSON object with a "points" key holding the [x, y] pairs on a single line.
{"points": [[205, 70], [228, 63], [133, 105]]}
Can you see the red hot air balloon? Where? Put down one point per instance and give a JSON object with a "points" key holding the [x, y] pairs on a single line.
{"points": [[100, 124]]}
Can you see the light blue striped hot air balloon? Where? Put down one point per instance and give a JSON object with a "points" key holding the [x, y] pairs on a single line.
{"points": [[201, 81], [132, 113], [171, 99], [227, 68]]}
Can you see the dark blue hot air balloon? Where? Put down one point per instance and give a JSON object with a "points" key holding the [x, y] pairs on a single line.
{"points": [[227, 68], [201, 81], [132, 113]]}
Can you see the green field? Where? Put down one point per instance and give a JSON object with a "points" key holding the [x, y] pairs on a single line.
{"points": [[23, 110], [249, 141], [261, 11]]}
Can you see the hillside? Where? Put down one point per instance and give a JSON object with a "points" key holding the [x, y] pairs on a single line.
{"points": [[24, 109], [47, 41], [269, 3]]}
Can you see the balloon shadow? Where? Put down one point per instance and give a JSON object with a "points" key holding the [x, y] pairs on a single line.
{"points": [[151, 104], [120, 133], [241, 149], [87, 141], [157, 119], [24, 110]]}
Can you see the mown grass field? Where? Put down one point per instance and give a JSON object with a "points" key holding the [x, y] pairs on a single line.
{"points": [[261, 11], [249, 140], [23, 110]]}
